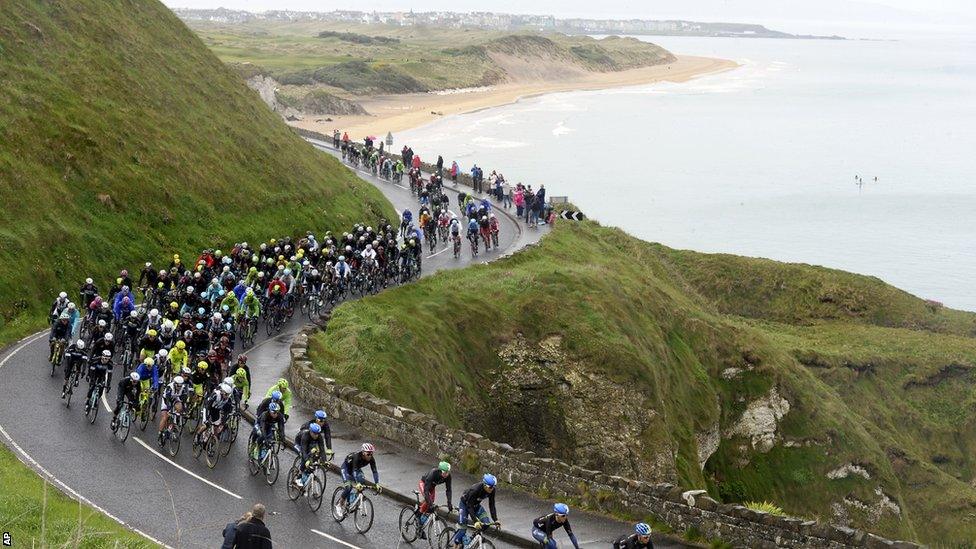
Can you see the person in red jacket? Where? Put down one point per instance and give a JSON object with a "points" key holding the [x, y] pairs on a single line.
{"points": [[415, 162]]}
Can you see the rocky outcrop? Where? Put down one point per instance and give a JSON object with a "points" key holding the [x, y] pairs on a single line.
{"points": [[315, 102], [760, 420]]}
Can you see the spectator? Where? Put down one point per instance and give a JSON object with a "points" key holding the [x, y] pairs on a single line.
{"points": [[250, 532], [519, 199], [506, 195], [440, 166], [455, 169]]}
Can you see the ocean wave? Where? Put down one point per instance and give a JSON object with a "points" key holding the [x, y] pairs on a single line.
{"points": [[496, 143], [561, 129]]}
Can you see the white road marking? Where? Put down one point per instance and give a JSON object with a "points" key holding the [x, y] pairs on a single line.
{"points": [[337, 540], [439, 253], [37, 466], [185, 470]]}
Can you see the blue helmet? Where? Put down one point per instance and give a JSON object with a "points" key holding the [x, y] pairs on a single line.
{"points": [[319, 414], [315, 428], [276, 395], [273, 407], [561, 509], [489, 480], [642, 529]]}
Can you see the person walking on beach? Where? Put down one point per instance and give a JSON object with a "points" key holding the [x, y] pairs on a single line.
{"points": [[249, 532]]}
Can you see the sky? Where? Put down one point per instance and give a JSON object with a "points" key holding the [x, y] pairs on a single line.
{"points": [[799, 16]]}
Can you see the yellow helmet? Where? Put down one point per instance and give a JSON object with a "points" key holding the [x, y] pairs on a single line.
{"points": [[203, 365], [152, 333], [173, 305], [149, 361], [181, 344]]}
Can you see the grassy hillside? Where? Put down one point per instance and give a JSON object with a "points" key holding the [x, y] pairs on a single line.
{"points": [[125, 139], [832, 394], [37, 515], [353, 59]]}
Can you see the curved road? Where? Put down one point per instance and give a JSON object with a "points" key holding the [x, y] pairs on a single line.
{"points": [[180, 502]]}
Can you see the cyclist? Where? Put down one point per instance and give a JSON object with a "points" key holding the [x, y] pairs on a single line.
{"points": [[73, 316], [281, 386], [128, 391], [175, 396], [308, 444], [103, 342], [274, 397], [428, 485], [544, 526], [60, 331], [123, 304], [200, 378], [149, 345], [342, 271], [241, 384], [640, 539], [178, 357], [352, 471], [473, 230], [87, 292], [148, 375], [276, 292], [58, 307], [470, 507], [251, 306], [264, 426], [75, 359], [493, 225], [218, 406], [322, 420], [407, 219], [153, 320], [484, 230], [97, 372]]}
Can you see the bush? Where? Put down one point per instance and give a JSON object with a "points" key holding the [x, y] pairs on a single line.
{"points": [[765, 507]]}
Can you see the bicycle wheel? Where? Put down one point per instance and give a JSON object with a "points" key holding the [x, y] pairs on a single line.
{"points": [[364, 515], [224, 442], [125, 423], [92, 411], [409, 525], [486, 543], [213, 451], [293, 491], [67, 395], [337, 514], [144, 416], [197, 446], [253, 465], [272, 469], [234, 424], [435, 526], [314, 492], [445, 537], [173, 441], [269, 324]]}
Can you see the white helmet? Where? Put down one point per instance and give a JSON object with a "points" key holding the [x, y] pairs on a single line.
{"points": [[106, 354], [80, 344], [163, 353], [134, 376], [178, 380], [109, 336], [229, 381], [217, 317], [153, 312], [89, 281], [134, 314], [101, 323], [226, 389], [63, 295]]}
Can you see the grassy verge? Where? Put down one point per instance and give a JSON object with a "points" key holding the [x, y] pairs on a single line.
{"points": [[36, 514], [690, 348]]}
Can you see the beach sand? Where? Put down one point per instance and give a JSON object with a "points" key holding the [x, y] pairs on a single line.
{"points": [[396, 113]]}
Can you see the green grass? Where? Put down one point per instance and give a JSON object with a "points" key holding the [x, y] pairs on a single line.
{"points": [[592, 328], [126, 139], [36, 514], [356, 59]]}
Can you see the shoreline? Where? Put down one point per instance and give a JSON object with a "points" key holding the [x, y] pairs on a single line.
{"points": [[398, 113]]}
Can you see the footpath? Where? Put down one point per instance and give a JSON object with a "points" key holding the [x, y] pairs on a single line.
{"points": [[400, 468]]}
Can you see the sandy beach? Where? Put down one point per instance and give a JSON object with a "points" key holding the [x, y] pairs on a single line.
{"points": [[396, 113]]}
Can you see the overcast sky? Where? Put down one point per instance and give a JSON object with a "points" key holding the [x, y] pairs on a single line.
{"points": [[822, 16]]}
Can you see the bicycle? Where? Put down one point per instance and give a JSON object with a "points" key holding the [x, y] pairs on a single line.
{"points": [[233, 424], [269, 463], [473, 239], [247, 329], [147, 408], [57, 353], [207, 441], [360, 506], [174, 432], [494, 238], [314, 305], [91, 407], [314, 487], [412, 527], [473, 541], [123, 422], [73, 379]]}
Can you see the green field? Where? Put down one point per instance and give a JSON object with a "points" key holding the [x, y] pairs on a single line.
{"points": [[126, 139], [617, 354], [356, 59]]}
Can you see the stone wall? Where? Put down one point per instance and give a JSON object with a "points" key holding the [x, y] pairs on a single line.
{"points": [[677, 507]]}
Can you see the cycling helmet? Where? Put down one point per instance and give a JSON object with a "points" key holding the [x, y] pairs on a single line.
{"points": [[642, 529], [134, 376], [226, 389], [315, 272], [178, 380], [124, 273], [276, 395], [64, 316], [186, 371], [226, 269], [242, 359], [287, 272], [80, 344], [101, 324], [71, 306], [89, 281], [152, 333], [149, 361], [315, 428], [181, 344], [283, 383], [63, 295], [163, 353], [273, 407], [367, 447], [489, 480], [126, 300], [203, 365], [109, 336], [106, 354], [189, 289], [217, 317], [201, 311], [229, 381], [199, 326], [444, 466], [134, 314], [342, 258], [560, 509], [173, 305], [105, 305], [320, 414], [154, 312]]}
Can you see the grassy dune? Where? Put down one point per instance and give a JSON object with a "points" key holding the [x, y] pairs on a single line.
{"points": [[652, 348], [124, 139]]}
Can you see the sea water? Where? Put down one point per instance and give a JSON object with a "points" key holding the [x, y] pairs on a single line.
{"points": [[777, 158]]}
